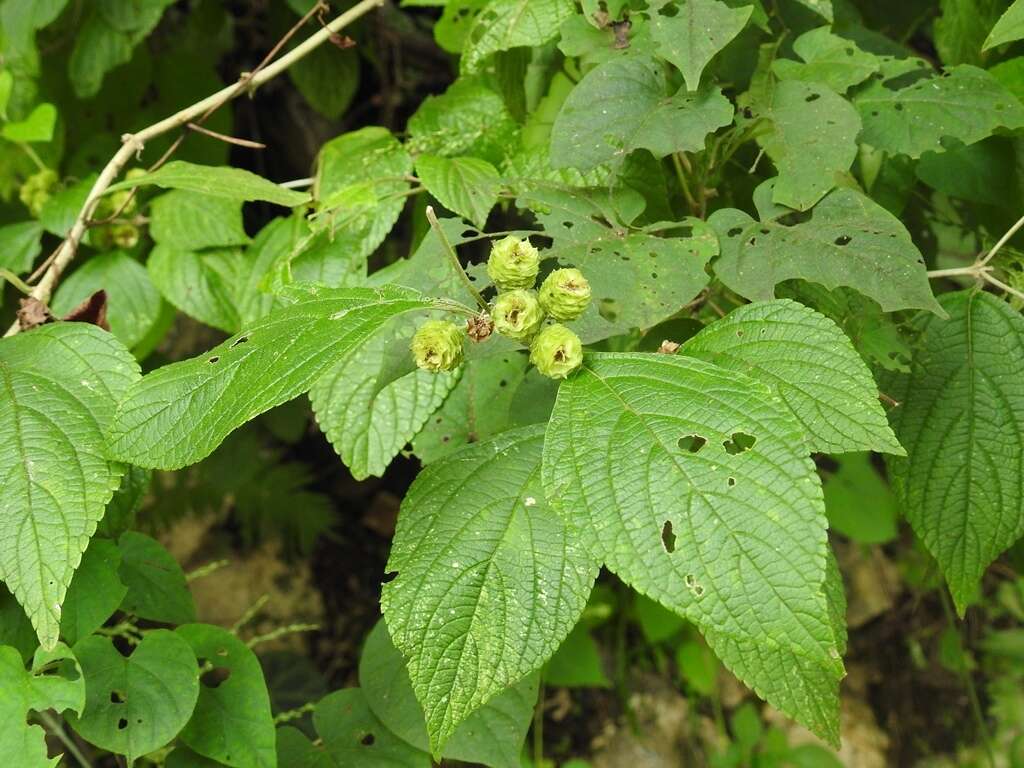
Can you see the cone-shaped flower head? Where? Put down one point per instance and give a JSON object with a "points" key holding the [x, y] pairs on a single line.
{"points": [[437, 346], [556, 351], [517, 314], [513, 263], [565, 294]]}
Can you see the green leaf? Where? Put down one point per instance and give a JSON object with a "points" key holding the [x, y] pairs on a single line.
{"points": [[467, 119], [179, 413], [20, 245], [122, 508], [24, 691], [849, 240], [810, 364], [137, 704], [360, 185], [577, 663], [201, 285], [217, 181], [859, 503], [369, 421], [637, 279], [95, 593], [966, 104], [835, 61], [190, 221], [1009, 28], [231, 722], [690, 32], [6, 86], [15, 628], [962, 423], [467, 186], [157, 589], [505, 24], [821, 7], [37, 127], [960, 31], [492, 735], [813, 141], [488, 560], [58, 387], [60, 211], [693, 485], [976, 172], [479, 407], [622, 105], [133, 303], [328, 79]]}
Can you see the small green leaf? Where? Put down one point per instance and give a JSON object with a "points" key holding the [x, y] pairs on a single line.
{"points": [[492, 735], [232, 722], [960, 32], [577, 663], [1009, 28], [133, 303], [58, 387], [179, 413], [813, 367], [487, 561], [37, 127], [201, 285], [15, 628], [95, 593], [137, 704], [689, 33], [849, 240], [217, 181], [6, 86], [693, 485], [20, 245], [505, 24], [23, 691], [965, 104], [328, 79], [827, 58], [962, 422], [190, 221], [859, 503], [622, 105], [467, 186], [157, 589]]}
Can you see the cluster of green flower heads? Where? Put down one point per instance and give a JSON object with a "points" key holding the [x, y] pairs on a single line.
{"points": [[37, 189], [518, 312]]}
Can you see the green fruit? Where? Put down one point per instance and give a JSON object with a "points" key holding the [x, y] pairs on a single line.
{"points": [[437, 346], [36, 190], [565, 294], [124, 235], [517, 314], [513, 264], [556, 352]]}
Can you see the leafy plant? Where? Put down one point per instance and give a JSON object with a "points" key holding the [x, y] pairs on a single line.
{"points": [[683, 247]]}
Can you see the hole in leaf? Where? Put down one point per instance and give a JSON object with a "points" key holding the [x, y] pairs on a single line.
{"points": [[214, 359], [239, 340], [215, 677], [735, 231], [116, 697], [122, 724], [668, 539], [732, 481], [739, 443], [843, 240], [692, 443], [367, 740], [812, 97], [608, 309]]}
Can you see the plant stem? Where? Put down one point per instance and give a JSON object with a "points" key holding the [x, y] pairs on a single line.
{"points": [[132, 144], [27, 149], [1002, 241], [57, 730], [454, 258], [538, 727]]}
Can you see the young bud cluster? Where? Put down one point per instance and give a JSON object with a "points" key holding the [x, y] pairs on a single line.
{"points": [[437, 346], [37, 190]]}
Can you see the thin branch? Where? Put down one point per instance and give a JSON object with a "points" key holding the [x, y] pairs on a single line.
{"points": [[132, 144], [1000, 284], [297, 183], [1002, 241], [454, 258], [975, 270], [225, 138], [51, 724]]}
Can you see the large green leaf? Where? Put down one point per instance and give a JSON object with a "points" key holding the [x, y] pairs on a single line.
{"points": [[133, 303], [827, 58], [23, 691], [622, 105], [690, 32], [58, 388], [492, 735], [1009, 28], [179, 413], [961, 420], [966, 105], [478, 545], [960, 32], [467, 186], [202, 285], [217, 181], [812, 141], [231, 722], [849, 240], [692, 483], [136, 704], [813, 367], [190, 221], [504, 24], [95, 591]]}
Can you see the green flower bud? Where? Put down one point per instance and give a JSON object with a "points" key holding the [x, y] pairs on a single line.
{"points": [[513, 263], [556, 352], [565, 294], [517, 314], [36, 190], [124, 235], [437, 346]]}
